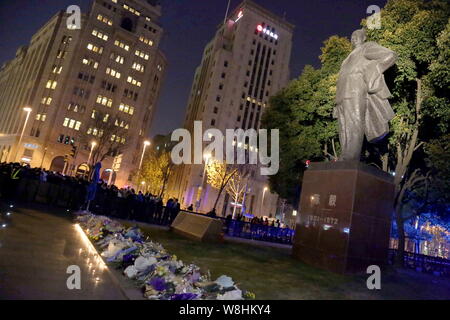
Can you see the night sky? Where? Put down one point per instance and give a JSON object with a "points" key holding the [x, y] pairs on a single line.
{"points": [[189, 25]]}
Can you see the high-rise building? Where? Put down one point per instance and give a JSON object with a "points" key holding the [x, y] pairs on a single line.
{"points": [[56, 88], [245, 64]]}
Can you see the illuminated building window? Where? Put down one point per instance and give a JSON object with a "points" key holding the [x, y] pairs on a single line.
{"points": [[90, 62], [41, 117], [146, 41], [121, 123], [122, 45], [131, 9], [46, 100], [113, 73], [117, 58], [105, 20], [57, 69], [95, 132], [105, 101], [95, 48], [142, 55], [51, 84], [134, 82], [126, 108], [72, 124], [100, 35], [138, 67]]}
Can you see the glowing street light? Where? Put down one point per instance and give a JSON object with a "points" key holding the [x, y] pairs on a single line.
{"points": [[146, 144], [28, 111], [93, 144]]}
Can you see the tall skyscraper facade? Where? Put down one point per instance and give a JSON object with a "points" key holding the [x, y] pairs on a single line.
{"points": [[245, 64], [56, 88]]}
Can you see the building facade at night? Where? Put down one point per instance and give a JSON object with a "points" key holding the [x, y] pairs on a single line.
{"points": [[245, 64], [67, 76]]}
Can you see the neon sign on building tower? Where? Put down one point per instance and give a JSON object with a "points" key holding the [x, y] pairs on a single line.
{"points": [[267, 31]]}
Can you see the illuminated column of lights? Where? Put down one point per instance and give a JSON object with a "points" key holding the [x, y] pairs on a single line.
{"points": [[97, 261]]}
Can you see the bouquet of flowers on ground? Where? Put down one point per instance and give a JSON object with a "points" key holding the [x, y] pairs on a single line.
{"points": [[160, 275]]}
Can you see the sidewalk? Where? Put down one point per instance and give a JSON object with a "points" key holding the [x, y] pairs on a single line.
{"points": [[36, 248]]}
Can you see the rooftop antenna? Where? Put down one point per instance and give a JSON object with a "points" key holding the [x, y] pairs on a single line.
{"points": [[226, 13]]}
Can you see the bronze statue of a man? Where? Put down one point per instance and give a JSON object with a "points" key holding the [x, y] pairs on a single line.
{"points": [[362, 105]]}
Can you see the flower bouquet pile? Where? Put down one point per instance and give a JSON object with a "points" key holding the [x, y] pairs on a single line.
{"points": [[160, 275]]}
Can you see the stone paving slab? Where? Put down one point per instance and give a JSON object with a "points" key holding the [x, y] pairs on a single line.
{"points": [[37, 247]]}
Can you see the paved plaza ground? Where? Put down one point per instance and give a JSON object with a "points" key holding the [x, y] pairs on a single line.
{"points": [[36, 248], [39, 244]]}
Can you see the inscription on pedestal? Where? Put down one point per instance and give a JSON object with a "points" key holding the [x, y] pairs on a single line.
{"points": [[344, 217]]}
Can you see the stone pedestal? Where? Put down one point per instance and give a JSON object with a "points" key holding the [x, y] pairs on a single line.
{"points": [[344, 217], [197, 227]]}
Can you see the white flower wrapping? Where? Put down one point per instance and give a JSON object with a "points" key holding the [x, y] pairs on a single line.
{"points": [[152, 260]]}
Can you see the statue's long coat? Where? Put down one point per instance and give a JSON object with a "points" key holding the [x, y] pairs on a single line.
{"points": [[362, 74]]}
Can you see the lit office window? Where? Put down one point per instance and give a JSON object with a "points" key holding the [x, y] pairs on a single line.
{"points": [[142, 54], [51, 84], [100, 34], [72, 124], [134, 82], [146, 41], [122, 45], [47, 100], [113, 73], [138, 67], [95, 48], [105, 20], [105, 101], [90, 62]]}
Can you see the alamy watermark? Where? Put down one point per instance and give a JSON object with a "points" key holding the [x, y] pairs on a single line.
{"points": [[74, 280], [374, 281], [236, 147], [74, 19], [374, 20]]}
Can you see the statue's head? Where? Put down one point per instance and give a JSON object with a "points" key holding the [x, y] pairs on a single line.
{"points": [[359, 37]]}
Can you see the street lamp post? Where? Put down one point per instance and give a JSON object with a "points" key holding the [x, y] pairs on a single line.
{"points": [[93, 144], [146, 144], [28, 111]]}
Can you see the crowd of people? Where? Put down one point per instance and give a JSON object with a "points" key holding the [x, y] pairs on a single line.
{"points": [[16, 185], [21, 183], [263, 221]]}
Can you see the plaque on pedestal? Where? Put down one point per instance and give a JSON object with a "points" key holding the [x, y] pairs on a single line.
{"points": [[197, 227], [345, 217]]}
